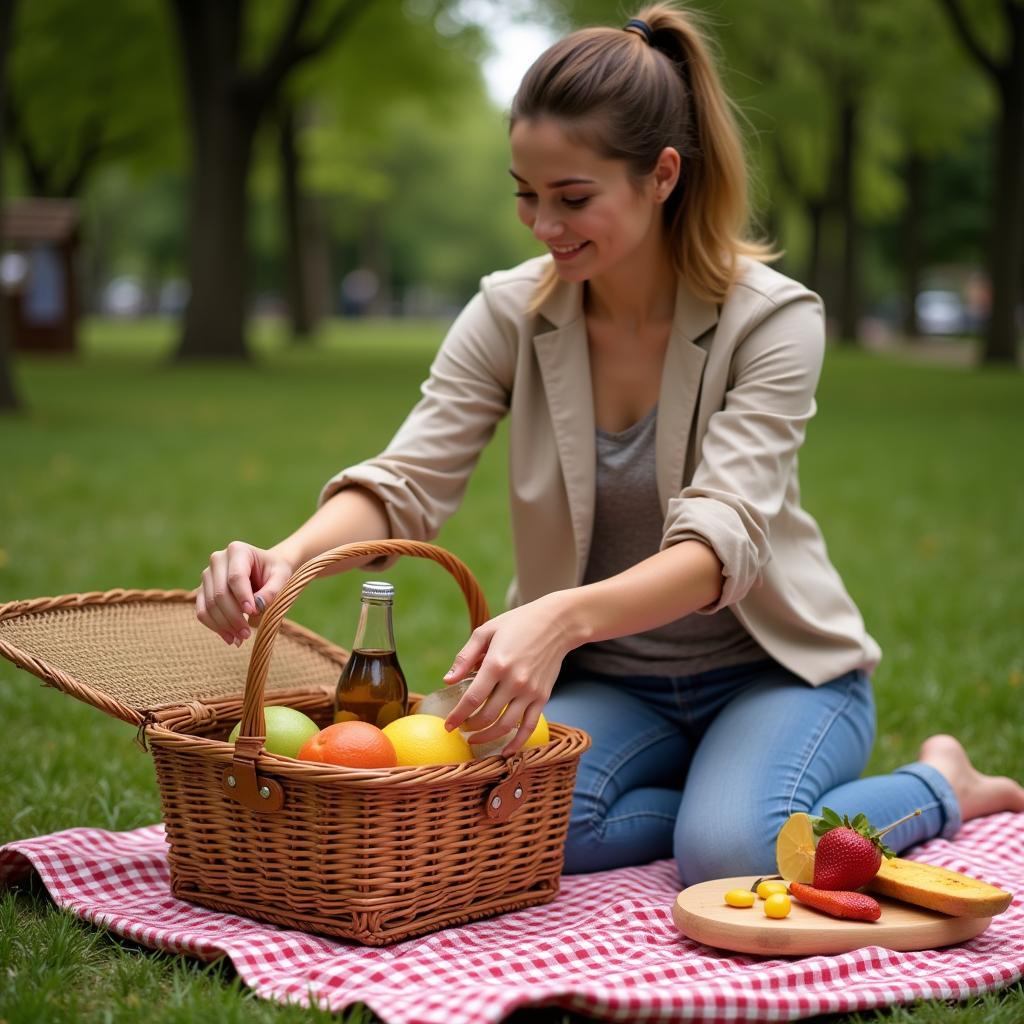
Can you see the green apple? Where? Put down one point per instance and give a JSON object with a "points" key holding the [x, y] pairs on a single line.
{"points": [[287, 730]]}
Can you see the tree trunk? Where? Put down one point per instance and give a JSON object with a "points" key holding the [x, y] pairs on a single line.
{"points": [[317, 257], [226, 103], [913, 215], [374, 256], [1006, 240], [8, 394], [1006, 254], [222, 129], [814, 276], [849, 280], [296, 272]]}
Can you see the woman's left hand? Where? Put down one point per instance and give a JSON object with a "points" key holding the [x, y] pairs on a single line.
{"points": [[517, 656]]}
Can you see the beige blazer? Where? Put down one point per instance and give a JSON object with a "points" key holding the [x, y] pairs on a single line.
{"points": [[737, 391]]}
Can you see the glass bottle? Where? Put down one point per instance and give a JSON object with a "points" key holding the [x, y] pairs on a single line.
{"points": [[372, 687]]}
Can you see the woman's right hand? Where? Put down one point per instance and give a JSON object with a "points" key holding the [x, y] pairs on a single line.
{"points": [[240, 581]]}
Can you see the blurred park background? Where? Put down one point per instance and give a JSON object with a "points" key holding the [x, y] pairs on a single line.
{"points": [[215, 164], [235, 233]]}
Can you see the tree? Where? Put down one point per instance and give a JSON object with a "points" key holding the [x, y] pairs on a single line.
{"points": [[809, 106], [430, 203], [8, 394], [1006, 245], [88, 90], [227, 100], [927, 105], [340, 103]]}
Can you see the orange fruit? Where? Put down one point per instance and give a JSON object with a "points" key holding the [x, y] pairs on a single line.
{"points": [[423, 739], [351, 745], [794, 849]]}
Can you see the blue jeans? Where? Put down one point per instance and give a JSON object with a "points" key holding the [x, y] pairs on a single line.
{"points": [[707, 768]]}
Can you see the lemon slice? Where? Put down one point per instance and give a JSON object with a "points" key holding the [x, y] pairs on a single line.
{"points": [[794, 849]]}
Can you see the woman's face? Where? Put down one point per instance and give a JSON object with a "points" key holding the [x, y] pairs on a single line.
{"points": [[584, 207]]}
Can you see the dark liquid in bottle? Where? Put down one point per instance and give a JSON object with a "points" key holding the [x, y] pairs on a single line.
{"points": [[371, 689]]}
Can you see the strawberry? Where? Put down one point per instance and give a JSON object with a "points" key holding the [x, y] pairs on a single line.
{"points": [[857, 906], [849, 853]]}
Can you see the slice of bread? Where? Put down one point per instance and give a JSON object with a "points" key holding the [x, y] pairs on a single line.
{"points": [[938, 889]]}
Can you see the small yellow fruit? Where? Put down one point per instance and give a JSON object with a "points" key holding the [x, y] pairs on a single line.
{"points": [[794, 849], [423, 739], [739, 898], [777, 905], [766, 889]]}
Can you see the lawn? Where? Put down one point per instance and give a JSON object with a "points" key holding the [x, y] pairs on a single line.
{"points": [[126, 472]]}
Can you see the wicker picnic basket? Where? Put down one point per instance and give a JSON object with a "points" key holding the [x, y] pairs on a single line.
{"points": [[377, 855]]}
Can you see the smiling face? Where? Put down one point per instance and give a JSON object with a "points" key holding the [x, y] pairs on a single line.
{"points": [[585, 208]]}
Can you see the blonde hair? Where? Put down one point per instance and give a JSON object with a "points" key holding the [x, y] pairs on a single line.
{"points": [[628, 99]]}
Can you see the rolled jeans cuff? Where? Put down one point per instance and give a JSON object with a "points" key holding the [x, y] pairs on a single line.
{"points": [[943, 793]]}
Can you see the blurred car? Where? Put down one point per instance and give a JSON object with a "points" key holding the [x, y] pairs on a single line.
{"points": [[173, 297], [123, 297], [940, 312]]}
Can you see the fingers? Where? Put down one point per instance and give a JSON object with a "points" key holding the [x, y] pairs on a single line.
{"points": [[471, 654], [207, 618], [507, 720], [238, 571], [471, 700], [275, 575], [529, 722], [216, 604]]}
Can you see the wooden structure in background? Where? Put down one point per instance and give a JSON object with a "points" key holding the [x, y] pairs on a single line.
{"points": [[40, 272]]}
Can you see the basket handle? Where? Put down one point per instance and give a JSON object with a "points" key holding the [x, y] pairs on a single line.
{"points": [[240, 778]]}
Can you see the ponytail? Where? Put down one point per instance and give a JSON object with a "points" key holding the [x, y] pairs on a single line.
{"points": [[629, 94]]}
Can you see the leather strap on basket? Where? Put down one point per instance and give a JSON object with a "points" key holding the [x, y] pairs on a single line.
{"points": [[508, 795], [247, 788]]}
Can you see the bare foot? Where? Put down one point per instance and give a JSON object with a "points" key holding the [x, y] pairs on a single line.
{"points": [[977, 794]]}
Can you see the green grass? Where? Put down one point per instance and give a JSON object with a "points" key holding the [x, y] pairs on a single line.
{"points": [[125, 471]]}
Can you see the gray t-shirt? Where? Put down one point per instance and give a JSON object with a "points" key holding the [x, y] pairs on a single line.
{"points": [[628, 526]]}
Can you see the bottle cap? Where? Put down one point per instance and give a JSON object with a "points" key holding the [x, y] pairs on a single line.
{"points": [[378, 591]]}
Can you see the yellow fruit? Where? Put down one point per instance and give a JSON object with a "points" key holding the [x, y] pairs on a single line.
{"points": [[739, 898], [766, 889], [423, 739], [777, 905], [937, 888], [794, 849], [540, 735]]}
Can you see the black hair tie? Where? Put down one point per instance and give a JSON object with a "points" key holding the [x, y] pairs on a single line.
{"points": [[639, 26]]}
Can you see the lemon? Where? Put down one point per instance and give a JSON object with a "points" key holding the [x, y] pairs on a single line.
{"points": [[423, 739], [540, 735], [794, 849]]}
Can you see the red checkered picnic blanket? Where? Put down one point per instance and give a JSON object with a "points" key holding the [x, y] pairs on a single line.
{"points": [[606, 947]]}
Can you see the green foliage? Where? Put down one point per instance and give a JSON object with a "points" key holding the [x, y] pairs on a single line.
{"points": [[916, 88], [405, 153], [81, 81], [407, 156]]}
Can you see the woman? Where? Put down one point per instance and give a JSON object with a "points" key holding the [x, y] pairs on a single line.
{"points": [[672, 598]]}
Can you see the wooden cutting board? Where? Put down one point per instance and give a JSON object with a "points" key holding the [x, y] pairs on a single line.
{"points": [[700, 913]]}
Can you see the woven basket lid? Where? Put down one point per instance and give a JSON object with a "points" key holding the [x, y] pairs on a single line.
{"points": [[133, 652]]}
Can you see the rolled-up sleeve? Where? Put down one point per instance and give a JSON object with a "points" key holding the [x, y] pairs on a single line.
{"points": [[748, 452], [422, 474]]}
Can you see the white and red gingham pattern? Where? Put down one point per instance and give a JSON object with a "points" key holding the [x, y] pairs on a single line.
{"points": [[606, 947]]}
